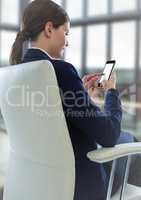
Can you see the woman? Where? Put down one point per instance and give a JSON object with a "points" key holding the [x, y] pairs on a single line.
{"points": [[45, 27]]}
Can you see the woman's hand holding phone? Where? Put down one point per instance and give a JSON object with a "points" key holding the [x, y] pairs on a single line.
{"points": [[90, 83], [108, 80], [109, 84]]}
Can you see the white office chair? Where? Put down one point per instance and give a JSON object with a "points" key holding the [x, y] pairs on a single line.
{"points": [[127, 191], [41, 161]]}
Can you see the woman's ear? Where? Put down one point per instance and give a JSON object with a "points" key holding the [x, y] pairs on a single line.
{"points": [[48, 29]]}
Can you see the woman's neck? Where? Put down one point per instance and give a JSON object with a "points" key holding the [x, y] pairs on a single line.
{"points": [[42, 46]]}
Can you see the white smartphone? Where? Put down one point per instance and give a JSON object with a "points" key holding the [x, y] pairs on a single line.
{"points": [[109, 66]]}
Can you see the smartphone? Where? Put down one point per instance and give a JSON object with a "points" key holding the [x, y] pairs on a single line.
{"points": [[109, 66]]}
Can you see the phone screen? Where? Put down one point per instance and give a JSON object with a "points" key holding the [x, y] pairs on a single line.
{"points": [[107, 71]]}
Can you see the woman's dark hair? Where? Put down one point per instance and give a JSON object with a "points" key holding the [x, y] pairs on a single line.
{"points": [[36, 15]]}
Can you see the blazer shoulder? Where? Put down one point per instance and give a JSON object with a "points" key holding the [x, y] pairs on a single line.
{"points": [[65, 67]]}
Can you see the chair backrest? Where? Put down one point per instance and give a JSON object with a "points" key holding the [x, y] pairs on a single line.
{"points": [[41, 154]]}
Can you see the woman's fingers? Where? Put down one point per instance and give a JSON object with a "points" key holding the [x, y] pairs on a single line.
{"points": [[90, 76], [90, 83]]}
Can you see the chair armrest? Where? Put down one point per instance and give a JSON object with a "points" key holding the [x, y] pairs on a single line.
{"points": [[107, 154]]}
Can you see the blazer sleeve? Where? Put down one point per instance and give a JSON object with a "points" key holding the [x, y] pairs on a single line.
{"points": [[100, 126]]}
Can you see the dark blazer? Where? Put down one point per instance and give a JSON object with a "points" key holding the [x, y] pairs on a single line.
{"points": [[87, 125]]}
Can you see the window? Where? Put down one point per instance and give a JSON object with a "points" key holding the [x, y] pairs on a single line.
{"points": [[97, 7], [123, 41], [140, 48], [73, 51], [74, 8], [123, 51], [124, 5], [7, 40], [96, 46], [10, 11]]}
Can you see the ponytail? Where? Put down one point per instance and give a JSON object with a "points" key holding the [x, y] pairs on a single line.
{"points": [[17, 48]]}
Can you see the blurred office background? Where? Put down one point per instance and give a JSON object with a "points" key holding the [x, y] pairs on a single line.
{"points": [[100, 30]]}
